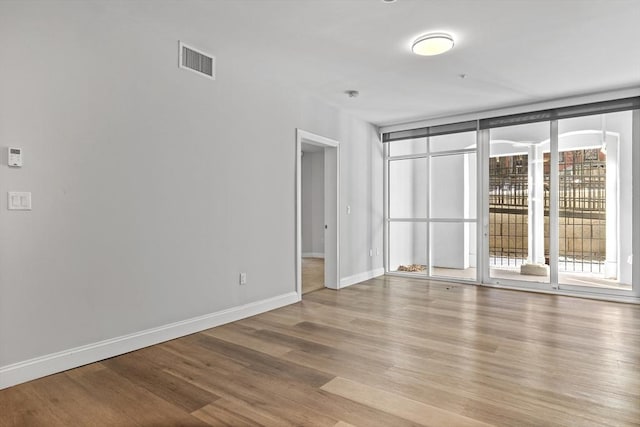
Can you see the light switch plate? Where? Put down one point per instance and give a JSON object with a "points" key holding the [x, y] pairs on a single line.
{"points": [[19, 201]]}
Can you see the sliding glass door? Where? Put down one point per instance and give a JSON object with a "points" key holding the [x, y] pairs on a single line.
{"points": [[559, 203], [595, 193], [518, 203]]}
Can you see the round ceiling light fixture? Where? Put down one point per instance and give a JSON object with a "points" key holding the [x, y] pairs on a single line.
{"points": [[432, 44]]}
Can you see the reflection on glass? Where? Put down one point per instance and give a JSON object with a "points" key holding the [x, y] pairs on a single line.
{"points": [[407, 147], [408, 188], [453, 250], [454, 141], [594, 195], [408, 247], [518, 203], [453, 186]]}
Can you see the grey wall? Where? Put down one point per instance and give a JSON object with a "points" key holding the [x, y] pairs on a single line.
{"points": [[361, 187], [312, 203], [152, 187]]}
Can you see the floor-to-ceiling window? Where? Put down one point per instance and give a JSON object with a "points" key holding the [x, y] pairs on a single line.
{"points": [[453, 205], [545, 200], [518, 217], [407, 171], [432, 204]]}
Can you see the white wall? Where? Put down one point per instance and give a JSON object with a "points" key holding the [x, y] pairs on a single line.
{"points": [[361, 187], [312, 204], [152, 187]]}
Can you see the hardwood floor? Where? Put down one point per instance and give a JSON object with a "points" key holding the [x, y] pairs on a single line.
{"points": [[388, 352], [312, 274]]}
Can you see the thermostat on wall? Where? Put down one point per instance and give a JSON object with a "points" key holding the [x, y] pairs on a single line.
{"points": [[14, 157]]}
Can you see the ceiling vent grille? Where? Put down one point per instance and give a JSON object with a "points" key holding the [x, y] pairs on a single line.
{"points": [[197, 61]]}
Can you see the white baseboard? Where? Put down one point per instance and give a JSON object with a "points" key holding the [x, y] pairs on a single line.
{"points": [[360, 277], [312, 255], [38, 367]]}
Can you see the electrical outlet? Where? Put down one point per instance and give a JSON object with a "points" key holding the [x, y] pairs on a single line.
{"points": [[243, 278]]}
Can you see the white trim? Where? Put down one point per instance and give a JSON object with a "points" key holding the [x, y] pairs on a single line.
{"points": [[312, 255], [424, 277], [321, 141], [554, 212], [332, 266], [635, 272], [298, 202], [428, 192], [601, 297], [28, 370], [482, 205], [386, 207], [516, 109], [313, 139], [518, 286], [361, 277]]}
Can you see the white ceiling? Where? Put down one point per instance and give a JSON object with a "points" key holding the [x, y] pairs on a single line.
{"points": [[513, 52]]}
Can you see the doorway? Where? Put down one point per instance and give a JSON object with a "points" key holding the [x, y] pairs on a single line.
{"points": [[312, 217], [317, 222]]}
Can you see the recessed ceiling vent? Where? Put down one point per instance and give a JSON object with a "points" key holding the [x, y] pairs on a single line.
{"points": [[197, 61]]}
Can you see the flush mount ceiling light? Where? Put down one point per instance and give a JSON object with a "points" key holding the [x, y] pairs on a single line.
{"points": [[432, 44]]}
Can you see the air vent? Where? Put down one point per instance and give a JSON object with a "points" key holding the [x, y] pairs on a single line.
{"points": [[197, 61]]}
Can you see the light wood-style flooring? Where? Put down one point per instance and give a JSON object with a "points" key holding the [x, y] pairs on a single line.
{"points": [[312, 274], [388, 352]]}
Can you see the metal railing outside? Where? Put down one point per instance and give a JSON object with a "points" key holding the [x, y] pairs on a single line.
{"points": [[582, 210]]}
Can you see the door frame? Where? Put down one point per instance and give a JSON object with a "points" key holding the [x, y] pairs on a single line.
{"points": [[331, 208]]}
